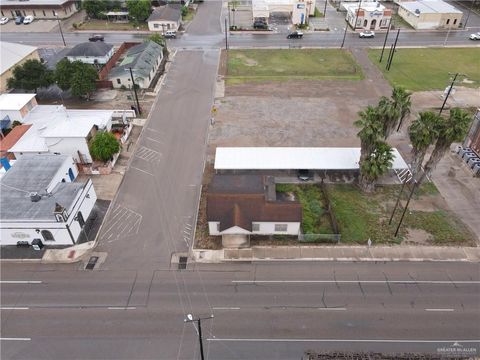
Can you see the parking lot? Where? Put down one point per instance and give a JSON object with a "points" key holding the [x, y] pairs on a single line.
{"points": [[35, 26]]}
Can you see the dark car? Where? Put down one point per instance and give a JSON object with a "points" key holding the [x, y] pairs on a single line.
{"points": [[19, 20], [260, 25], [96, 38], [305, 175], [295, 35]]}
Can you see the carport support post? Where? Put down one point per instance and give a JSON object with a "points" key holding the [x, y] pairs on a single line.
{"points": [[385, 42], [406, 207], [135, 91]]}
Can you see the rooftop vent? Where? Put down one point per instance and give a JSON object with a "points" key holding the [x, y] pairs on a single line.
{"points": [[35, 197], [417, 11]]}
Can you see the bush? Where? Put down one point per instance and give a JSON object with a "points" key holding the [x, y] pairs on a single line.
{"points": [[103, 146]]}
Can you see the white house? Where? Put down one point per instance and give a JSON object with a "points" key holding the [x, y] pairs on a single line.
{"points": [[39, 200], [91, 52], [163, 18], [16, 106], [430, 14], [298, 10], [242, 205], [371, 15]]}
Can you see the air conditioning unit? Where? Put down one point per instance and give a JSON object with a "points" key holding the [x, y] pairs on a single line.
{"points": [[472, 161], [463, 150]]}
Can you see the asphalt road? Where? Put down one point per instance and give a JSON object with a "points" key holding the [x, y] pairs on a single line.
{"points": [[262, 311]]}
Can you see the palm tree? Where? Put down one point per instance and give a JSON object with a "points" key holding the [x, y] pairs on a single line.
{"points": [[371, 130], [423, 132], [450, 130], [401, 101], [376, 165], [389, 115]]}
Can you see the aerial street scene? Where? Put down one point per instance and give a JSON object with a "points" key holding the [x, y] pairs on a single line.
{"points": [[239, 179]]}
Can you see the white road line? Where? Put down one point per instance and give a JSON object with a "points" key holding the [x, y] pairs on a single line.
{"points": [[354, 282], [13, 308], [15, 339], [146, 172], [333, 309], [225, 308], [20, 282], [440, 310], [122, 308], [347, 340], [154, 140]]}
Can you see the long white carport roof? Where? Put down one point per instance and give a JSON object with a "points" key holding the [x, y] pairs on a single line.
{"points": [[286, 158]]}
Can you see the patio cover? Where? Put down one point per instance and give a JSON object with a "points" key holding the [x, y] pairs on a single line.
{"points": [[286, 158]]}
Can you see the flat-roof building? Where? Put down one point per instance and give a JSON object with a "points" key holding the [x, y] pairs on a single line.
{"points": [[430, 14]]}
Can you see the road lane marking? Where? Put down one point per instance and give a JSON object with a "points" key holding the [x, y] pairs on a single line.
{"points": [[354, 282], [439, 309], [225, 308], [14, 339], [13, 308], [146, 172], [333, 309], [20, 282], [122, 308], [346, 340]]}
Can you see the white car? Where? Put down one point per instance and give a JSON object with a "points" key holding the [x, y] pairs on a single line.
{"points": [[4, 20], [28, 19], [367, 34], [475, 36]]}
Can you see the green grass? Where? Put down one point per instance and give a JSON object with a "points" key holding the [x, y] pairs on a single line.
{"points": [[96, 24], [315, 219], [189, 15], [428, 69], [318, 13], [290, 64]]}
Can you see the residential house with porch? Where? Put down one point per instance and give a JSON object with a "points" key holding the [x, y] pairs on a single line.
{"points": [[91, 52], [163, 18]]}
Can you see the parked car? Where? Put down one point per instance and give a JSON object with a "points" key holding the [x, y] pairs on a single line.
{"points": [[4, 20], [305, 175], [28, 19], [19, 20], [475, 36], [261, 25], [96, 37], [367, 34], [295, 35], [170, 34]]}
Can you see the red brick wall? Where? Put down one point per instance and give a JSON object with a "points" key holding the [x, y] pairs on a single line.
{"points": [[102, 75]]}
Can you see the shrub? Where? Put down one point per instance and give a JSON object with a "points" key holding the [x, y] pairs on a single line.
{"points": [[103, 146]]}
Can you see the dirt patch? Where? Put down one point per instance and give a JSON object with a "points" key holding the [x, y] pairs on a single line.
{"points": [[429, 203], [417, 237]]}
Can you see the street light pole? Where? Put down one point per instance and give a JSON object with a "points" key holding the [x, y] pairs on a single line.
{"points": [[199, 323], [354, 25], [60, 27], [135, 90]]}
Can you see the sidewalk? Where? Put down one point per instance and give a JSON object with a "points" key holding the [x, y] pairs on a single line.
{"points": [[339, 253]]}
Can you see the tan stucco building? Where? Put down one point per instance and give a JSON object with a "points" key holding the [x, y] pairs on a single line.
{"points": [[430, 14], [12, 55], [40, 9]]}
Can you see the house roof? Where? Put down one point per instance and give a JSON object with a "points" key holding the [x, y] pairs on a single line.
{"points": [[241, 201], [32, 2], [97, 48], [166, 13], [141, 58], [13, 136], [368, 6], [35, 174], [14, 101], [11, 54], [278, 158], [429, 7]]}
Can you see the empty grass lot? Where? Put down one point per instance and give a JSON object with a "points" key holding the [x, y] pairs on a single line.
{"points": [[428, 69], [290, 64]]}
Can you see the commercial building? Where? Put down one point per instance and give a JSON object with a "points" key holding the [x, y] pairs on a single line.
{"points": [[430, 14], [297, 10], [12, 55], [371, 15], [40, 9]]}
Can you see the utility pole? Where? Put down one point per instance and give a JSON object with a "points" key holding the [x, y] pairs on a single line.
{"points": [[135, 91], [199, 330], [386, 37], [468, 14], [396, 204], [450, 88], [60, 27], [406, 207], [389, 56], [325, 10], [226, 35], [354, 25], [393, 51]]}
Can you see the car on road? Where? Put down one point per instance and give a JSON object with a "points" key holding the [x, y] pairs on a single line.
{"points": [[19, 20], [295, 35], [4, 20], [475, 36], [367, 34], [96, 37], [170, 34], [260, 25], [28, 19]]}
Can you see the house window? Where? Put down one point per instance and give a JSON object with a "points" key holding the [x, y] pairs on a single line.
{"points": [[24, 13], [255, 227], [13, 14], [218, 227], [454, 21], [281, 227], [44, 13], [53, 12], [156, 26], [119, 81], [448, 21], [47, 235], [2, 14], [34, 13]]}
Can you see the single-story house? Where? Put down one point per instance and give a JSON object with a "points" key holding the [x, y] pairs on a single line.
{"points": [[298, 10], [16, 106], [12, 55], [41, 202], [144, 60], [242, 205], [91, 52], [371, 15], [40, 9], [163, 18], [430, 14]]}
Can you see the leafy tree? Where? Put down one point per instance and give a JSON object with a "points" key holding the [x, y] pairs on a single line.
{"points": [[139, 10], [157, 38], [63, 74], [423, 133], [377, 164], [401, 101], [31, 75], [389, 115], [95, 8], [184, 10], [83, 79], [103, 146], [450, 130]]}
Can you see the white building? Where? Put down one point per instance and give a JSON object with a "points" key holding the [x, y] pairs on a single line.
{"points": [[298, 10], [430, 14], [163, 18], [371, 15], [39, 200], [16, 106], [92, 52], [12, 55], [242, 205]]}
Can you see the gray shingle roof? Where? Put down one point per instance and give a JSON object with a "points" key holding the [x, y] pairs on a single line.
{"points": [[98, 48], [141, 58], [167, 13]]}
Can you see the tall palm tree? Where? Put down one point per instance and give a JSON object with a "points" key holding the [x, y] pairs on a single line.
{"points": [[389, 114], [423, 132], [451, 129], [371, 130], [401, 101], [376, 165]]}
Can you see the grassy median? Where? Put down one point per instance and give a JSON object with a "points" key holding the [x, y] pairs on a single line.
{"points": [[290, 64]]}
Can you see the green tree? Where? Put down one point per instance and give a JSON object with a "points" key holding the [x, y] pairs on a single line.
{"points": [[31, 75], [423, 132], [401, 101], [157, 38], [377, 164], [96, 8], [103, 146], [139, 10], [63, 74], [184, 10], [83, 79], [389, 115], [450, 130]]}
